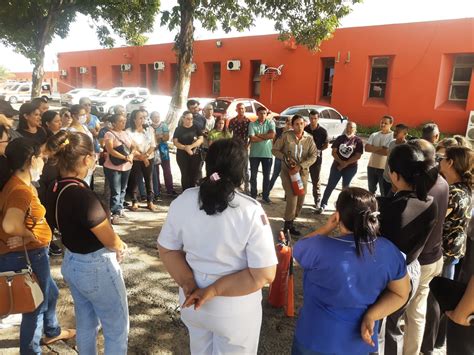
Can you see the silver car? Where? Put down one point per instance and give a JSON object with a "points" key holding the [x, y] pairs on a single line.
{"points": [[329, 118]]}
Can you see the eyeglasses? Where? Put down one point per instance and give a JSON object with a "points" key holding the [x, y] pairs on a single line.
{"points": [[439, 157]]}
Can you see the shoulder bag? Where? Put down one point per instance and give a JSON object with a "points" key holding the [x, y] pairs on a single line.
{"points": [[122, 149]]}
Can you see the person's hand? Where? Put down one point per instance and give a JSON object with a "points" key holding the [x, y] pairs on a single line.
{"points": [[332, 222], [130, 158], [341, 166], [295, 169], [188, 149], [120, 254], [189, 286], [5, 121], [367, 329], [458, 318], [146, 162], [14, 242], [200, 296]]}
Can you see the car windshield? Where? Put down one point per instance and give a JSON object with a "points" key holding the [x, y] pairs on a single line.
{"points": [[114, 93], [220, 106], [295, 110]]}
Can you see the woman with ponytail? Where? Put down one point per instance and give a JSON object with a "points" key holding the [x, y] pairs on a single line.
{"points": [[23, 225], [351, 280], [407, 219], [457, 167], [93, 250], [217, 245]]}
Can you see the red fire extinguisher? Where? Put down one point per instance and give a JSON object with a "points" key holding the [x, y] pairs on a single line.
{"points": [[297, 184]]}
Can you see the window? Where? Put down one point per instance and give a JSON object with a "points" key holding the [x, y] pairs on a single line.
{"points": [[378, 77], [324, 114], [255, 77], [216, 78], [25, 88], [461, 77], [334, 115], [328, 76], [248, 107]]}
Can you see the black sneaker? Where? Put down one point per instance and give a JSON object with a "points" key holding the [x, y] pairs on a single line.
{"points": [[55, 250]]}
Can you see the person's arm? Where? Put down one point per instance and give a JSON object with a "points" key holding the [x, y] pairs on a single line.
{"points": [[177, 266], [278, 147], [107, 236], [465, 307], [338, 160], [325, 146], [265, 136], [392, 298], [240, 283], [14, 225], [330, 225], [310, 157], [109, 147], [197, 142]]}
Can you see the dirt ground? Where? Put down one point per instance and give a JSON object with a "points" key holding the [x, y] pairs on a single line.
{"points": [[155, 326]]}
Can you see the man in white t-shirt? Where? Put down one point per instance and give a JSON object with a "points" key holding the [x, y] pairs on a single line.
{"points": [[378, 145]]}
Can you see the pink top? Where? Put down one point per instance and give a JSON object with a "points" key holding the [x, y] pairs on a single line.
{"points": [[116, 142]]}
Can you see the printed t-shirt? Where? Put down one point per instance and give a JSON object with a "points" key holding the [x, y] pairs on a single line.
{"points": [[143, 140], [339, 287], [215, 135], [240, 129], [379, 139], [346, 147], [17, 194], [117, 138], [93, 123], [320, 136], [162, 128], [40, 137], [261, 149], [75, 218]]}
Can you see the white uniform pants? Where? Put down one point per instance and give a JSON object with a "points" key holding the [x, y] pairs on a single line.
{"points": [[224, 325]]}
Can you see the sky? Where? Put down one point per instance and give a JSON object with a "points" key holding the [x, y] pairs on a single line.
{"points": [[371, 12]]}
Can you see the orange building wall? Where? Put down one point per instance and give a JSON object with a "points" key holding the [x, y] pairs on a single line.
{"points": [[422, 56]]}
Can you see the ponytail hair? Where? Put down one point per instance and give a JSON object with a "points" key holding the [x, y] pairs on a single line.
{"points": [[19, 153], [67, 148], [358, 212], [463, 163], [408, 161], [225, 164]]}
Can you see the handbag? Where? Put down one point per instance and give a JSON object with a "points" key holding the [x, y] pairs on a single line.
{"points": [[122, 149], [19, 290]]}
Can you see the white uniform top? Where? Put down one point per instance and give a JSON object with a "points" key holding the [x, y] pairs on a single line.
{"points": [[379, 139], [143, 140], [223, 243]]}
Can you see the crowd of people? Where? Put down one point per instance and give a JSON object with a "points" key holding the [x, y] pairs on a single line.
{"points": [[367, 270]]}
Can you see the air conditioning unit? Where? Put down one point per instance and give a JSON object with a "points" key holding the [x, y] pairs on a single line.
{"points": [[82, 70], [159, 65], [125, 67], [470, 127], [63, 72], [193, 67], [263, 67], [233, 65]]}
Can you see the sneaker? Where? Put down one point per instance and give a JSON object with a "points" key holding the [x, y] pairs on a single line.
{"points": [[157, 198], [122, 214], [266, 200], [320, 209], [55, 250], [115, 219]]}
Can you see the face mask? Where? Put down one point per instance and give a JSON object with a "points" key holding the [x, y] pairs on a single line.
{"points": [[82, 119], [34, 174]]}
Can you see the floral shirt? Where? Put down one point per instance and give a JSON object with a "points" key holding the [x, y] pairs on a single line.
{"points": [[240, 129], [457, 220]]}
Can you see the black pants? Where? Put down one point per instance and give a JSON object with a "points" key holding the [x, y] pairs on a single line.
{"points": [[435, 329], [460, 339], [189, 167], [314, 172], [138, 171]]}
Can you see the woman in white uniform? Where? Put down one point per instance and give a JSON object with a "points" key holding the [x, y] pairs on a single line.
{"points": [[217, 245]]}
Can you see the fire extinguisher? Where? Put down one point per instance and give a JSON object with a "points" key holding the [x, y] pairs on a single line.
{"points": [[297, 184]]}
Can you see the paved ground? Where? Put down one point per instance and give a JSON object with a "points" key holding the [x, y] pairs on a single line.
{"points": [[152, 295]]}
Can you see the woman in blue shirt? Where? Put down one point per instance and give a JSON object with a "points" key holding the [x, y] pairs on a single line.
{"points": [[350, 281]]}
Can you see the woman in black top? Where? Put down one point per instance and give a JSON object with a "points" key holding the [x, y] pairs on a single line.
{"points": [[187, 139], [407, 219], [92, 249], [29, 125]]}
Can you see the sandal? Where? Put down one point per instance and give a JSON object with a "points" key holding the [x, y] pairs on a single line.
{"points": [[134, 207], [151, 206], [64, 335]]}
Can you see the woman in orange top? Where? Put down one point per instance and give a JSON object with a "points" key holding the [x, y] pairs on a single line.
{"points": [[22, 222]]}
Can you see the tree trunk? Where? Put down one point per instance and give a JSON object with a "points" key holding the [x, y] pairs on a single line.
{"points": [[184, 55], [38, 74]]}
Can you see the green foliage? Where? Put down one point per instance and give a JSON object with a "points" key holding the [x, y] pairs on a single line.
{"points": [[29, 25], [4, 73], [307, 21]]}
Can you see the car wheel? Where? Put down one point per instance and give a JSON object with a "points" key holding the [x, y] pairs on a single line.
{"points": [[13, 100]]}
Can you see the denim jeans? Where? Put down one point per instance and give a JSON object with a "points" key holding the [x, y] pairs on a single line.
{"points": [[118, 184], [156, 179], [335, 175], [44, 317], [374, 178], [449, 269], [100, 298], [266, 168], [275, 174]]}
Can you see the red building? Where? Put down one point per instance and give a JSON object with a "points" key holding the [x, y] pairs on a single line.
{"points": [[417, 72]]}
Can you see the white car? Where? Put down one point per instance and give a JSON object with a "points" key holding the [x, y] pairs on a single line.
{"points": [[329, 118], [21, 92], [72, 97], [160, 103], [117, 96]]}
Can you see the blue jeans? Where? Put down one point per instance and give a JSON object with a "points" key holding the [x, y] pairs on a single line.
{"points": [[266, 168], [118, 185], [335, 175], [275, 174], [449, 268], [156, 179], [100, 298], [44, 317]]}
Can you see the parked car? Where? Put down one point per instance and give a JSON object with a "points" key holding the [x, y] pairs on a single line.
{"points": [[160, 103], [21, 92], [329, 118], [116, 96], [225, 107], [72, 97]]}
